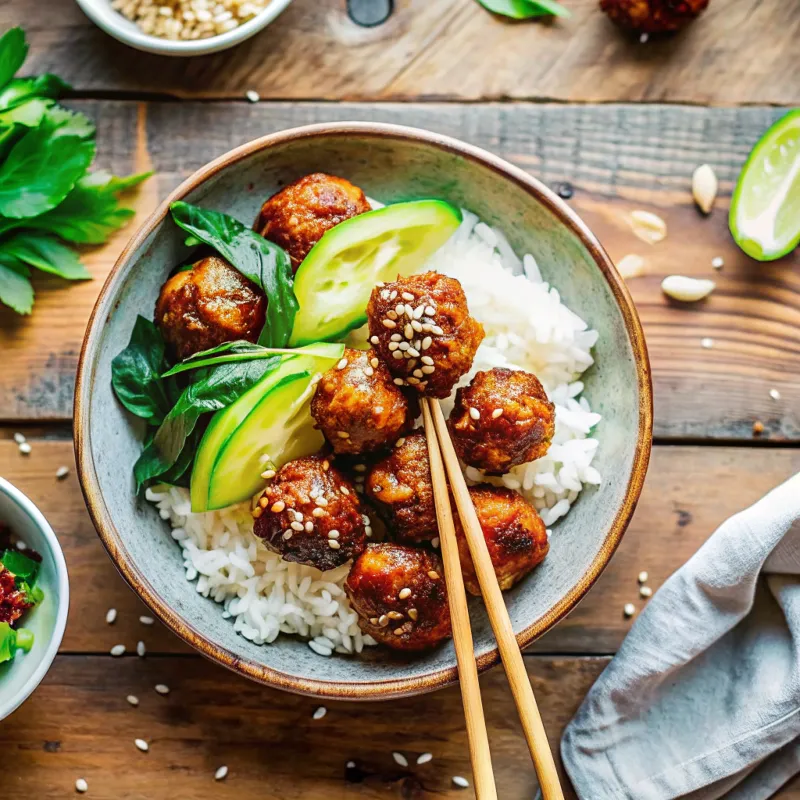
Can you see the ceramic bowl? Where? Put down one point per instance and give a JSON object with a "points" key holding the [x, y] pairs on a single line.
{"points": [[390, 163], [121, 28], [20, 676]]}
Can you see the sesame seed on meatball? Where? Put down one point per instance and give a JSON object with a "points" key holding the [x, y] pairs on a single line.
{"points": [[296, 217], [421, 327], [401, 486], [514, 532], [400, 596], [502, 419], [310, 513], [208, 305], [357, 406]]}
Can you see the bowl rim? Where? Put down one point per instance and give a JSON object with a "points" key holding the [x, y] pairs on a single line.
{"points": [[394, 687], [105, 19], [29, 508]]}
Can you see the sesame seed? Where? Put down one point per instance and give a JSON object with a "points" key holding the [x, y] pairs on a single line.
{"points": [[111, 615], [268, 474], [326, 465], [296, 526], [287, 535], [367, 531], [19, 438], [418, 312], [430, 310], [162, 688], [404, 593], [263, 502], [399, 757], [221, 773], [398, 631], [398, 354], [374, 340], [645, 591], [146, 620], [394, 615], [319, 713], [427, 342], [413, 352], [400, 442], [404, 345], [383, 620], [428, 370], [418, 373], [25, 448], [334, 534], [474, 413], [433, 575], [344, 490], [393, 294], [435, 541], [277, 507], [81, 785], [142, 745], [389, 323], [416, 326], [391, 314], [369, 372], [62, 473], [374, 363], [377, 410], [398, 382], [117, 650], [774, 394], [462, 783], [297, 515], [317, 512], [427, 360], [380, 284], [351, 765], [407, 296], [408, 331], [360, 467], [717, 262], [393, 346], [643, 576], [141, 650], [321, 501], [436, 330], [309, 526], [333, 544], [413, 613], [708, 342], [400, 309], [257, 512], [373, 620], [342, 364], [629, 610], [413, 381], [133, 700], [252, 96], [343, 434], [425, 758]]}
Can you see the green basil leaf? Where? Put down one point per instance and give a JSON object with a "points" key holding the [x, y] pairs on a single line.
{"points": [[225, 354], [47, 254], [13, 50], [263, 262], [41, 169], [16, 291], [136, 373], [23, 568], [22, 89], [526, 9]]}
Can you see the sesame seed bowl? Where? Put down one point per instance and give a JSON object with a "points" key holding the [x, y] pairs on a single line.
{"points": [[392, 164], [182, 27]]}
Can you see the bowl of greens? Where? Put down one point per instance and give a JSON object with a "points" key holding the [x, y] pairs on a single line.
{"points": [[34, 597]]}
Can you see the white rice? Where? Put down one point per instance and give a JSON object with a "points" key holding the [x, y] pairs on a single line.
{"points": [[527, 327]]}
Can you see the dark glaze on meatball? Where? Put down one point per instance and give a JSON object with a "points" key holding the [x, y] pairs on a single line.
{"points": [[401, 485], [299, 214], [208, 305], [421, 327], [400, 596], [357, 406], [503, 418], [310, 514], [515, 536]]}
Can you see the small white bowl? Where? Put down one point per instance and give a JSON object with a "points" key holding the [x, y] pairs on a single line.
{"points": [[20, 676], [115, 24]]}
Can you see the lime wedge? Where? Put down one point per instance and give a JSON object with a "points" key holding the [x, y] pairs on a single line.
{"points": [[765, 210]]}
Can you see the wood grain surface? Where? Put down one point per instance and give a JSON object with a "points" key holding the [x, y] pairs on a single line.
{"points": [[738, 52], [617, 158]]}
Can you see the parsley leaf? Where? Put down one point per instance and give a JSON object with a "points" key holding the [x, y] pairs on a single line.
{"points": [[15, 287], [13, 49], [47, 254]]}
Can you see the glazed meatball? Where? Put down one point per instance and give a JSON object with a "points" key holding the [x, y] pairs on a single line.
{"points": [[653, 16], [310, 514], [503, 418], [401, 486], [207, 305], [357, 406], [421, 327], [400, 596], [299, 214], [514, 533]]}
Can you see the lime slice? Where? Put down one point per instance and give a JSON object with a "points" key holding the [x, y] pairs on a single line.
{"points": [[765, 210]]}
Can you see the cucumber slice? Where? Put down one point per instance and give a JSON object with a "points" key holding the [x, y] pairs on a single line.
{"points": [[765, 210], [307, 360], [279, 429], [334, 282]]}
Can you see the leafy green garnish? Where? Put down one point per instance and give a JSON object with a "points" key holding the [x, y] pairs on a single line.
{"points": [[23, 568], [136, 373], [226, 353], [46, 193], [526, 9], [263, 262], [12, 640]]}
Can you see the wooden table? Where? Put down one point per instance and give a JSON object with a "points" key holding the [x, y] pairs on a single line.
{"points": [[573, 102]]}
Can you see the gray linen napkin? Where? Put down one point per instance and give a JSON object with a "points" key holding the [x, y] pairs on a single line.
{"points": [[703, 699]]}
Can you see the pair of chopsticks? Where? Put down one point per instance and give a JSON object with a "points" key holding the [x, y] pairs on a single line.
{"points": [[440, 446]]}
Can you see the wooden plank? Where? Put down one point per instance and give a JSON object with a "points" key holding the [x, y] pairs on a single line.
{"points": [[739, 51], [688, 493], [78, 724], [618, 158]]}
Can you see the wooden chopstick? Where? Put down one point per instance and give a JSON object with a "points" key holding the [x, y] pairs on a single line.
{"points": [[477, 737], [532, 725]]}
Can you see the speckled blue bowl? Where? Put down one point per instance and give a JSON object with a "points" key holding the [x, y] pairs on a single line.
{"points": [[390, 163]]}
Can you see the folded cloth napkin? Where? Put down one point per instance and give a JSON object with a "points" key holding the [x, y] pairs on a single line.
{"points": [[703, 699]]}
